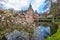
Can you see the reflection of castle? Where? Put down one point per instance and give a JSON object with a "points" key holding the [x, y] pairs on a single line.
{"points": [[28, 16]]}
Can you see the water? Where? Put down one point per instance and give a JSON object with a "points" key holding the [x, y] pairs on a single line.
{"points": [[16, 35], [40, 33], [45, 31]]}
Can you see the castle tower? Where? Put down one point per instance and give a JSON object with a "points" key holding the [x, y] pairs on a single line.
{"points": [[29, 15], [30, 7], [30, 10]]}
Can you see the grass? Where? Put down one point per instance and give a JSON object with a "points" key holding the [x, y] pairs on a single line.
{"points": [[55, 36]]}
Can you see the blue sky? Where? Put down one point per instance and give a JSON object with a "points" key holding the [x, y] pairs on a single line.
{"points": [[38, 5]]}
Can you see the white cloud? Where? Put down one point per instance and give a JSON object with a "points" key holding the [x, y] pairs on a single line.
{"points": [[22, 4], [54, 0], [17, 4], [37, 3]]}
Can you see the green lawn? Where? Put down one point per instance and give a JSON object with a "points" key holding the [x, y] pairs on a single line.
{"points": [[55, 36]]}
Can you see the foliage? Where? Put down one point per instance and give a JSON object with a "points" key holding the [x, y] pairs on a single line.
{"points": [[6, 24], [55, 36]]}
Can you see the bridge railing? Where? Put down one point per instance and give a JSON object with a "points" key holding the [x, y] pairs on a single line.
{"points": [[45, 20]]}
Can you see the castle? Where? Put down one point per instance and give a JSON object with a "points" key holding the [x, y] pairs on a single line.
{"points": [[27, 16]]}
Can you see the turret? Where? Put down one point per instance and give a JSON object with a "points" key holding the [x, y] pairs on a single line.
{"points": [[30, 7]]}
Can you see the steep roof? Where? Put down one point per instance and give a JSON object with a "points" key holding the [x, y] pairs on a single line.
{"points": [[30, 7]]}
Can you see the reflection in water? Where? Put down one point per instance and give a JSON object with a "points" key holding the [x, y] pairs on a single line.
{"points": [[16, 35], [40, 33], [45, 31]]}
